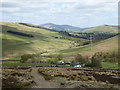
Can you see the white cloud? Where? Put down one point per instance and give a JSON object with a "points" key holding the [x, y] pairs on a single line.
{"points": [[60, 6], [74, 8]]}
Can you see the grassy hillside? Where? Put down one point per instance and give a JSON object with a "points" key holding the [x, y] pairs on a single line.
{"points": [[43, 41], [107, 45], [50, 45], [102, 29]]}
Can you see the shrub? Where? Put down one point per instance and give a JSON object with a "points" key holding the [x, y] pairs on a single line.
{"points": [[79, 58], [96, 60], [25, 57], [13, 82], [59, 57]]}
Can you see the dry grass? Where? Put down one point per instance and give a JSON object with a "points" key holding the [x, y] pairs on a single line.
{"points": [[79, 74]]}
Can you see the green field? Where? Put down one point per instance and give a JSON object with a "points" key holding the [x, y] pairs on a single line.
{"points": [[105, 65], [26, 64], [109, 65], [17, 63]]}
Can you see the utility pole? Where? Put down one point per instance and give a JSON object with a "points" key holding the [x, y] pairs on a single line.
{"points": [[91, 41]]}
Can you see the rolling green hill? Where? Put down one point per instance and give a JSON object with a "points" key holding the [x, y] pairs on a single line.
{"points": [[43, 41], [102, 29], [16, 45]]}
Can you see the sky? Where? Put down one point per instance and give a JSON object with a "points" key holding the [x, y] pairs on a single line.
{"points": [[80, 13]]}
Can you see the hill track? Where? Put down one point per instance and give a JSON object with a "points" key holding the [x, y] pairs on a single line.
{"points": [[40, 81]]}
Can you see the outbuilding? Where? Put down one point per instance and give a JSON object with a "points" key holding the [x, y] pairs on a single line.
{"points": [[60, 62]]}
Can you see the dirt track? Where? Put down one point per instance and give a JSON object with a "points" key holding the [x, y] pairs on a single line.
{"points": [[40, 81]]}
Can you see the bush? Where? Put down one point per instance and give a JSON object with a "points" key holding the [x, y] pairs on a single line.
{"points": [[96, 60], [59, 57], [87, 61], [79, 58], [86, 43], [9, 82], [25, 57], [13, 82]]}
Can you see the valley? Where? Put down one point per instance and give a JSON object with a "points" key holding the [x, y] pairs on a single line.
{"points": [[49, 55], [59, 44]]}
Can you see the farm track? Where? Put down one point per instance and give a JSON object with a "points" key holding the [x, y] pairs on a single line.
{"points": [[40, 81]]}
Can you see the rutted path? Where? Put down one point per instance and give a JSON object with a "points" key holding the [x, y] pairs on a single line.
{"points": [[40, 81]]}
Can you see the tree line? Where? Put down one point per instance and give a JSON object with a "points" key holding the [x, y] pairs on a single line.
{"points": [[94, 61], [19, 33]]}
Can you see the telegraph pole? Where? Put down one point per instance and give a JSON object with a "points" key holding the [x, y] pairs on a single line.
{"points": [[91, 41]]}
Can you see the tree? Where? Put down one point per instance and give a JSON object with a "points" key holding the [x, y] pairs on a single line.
{"points": [[59, 57], [96, 60], [79, 58], [25, 57]]}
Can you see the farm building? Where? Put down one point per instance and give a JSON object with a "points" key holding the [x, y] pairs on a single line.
{"points": [[60, 62], [78, 64]]}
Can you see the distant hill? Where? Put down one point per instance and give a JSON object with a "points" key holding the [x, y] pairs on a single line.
{"points": [[68, 28], [102, 29]]}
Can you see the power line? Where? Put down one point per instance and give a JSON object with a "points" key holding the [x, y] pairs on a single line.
{"points": [[91, 41]]}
